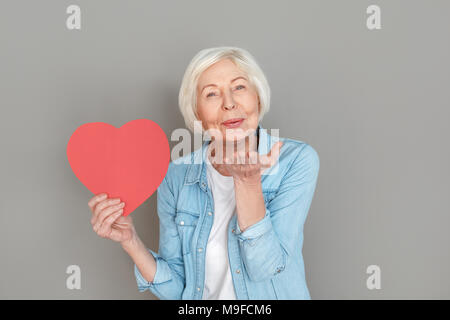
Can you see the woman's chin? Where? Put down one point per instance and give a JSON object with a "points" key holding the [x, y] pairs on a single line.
{"points": [[235, 134]]}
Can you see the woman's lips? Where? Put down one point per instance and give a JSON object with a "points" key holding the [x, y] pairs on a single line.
{"points": [[233, 123]]}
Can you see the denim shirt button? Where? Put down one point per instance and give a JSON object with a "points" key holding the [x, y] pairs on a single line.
{"points": [[238, 271], [200, 249], [210, 213], [198, 288], [182, 223]]}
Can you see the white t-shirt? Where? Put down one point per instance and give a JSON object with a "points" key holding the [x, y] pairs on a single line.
{"points": [[218, 280]]}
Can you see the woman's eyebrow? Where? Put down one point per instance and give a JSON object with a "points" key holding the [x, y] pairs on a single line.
{"points": [[214, 85], [240, 77]]}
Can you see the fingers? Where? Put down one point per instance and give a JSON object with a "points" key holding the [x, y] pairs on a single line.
{"points": [[253, 157], [105, 213], [271, 158], [95, 200], [241, 158], [275, 152], [102, 205], [105, 229], [229, 160]]}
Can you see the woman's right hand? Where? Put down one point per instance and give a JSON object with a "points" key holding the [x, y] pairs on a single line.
{"points": [[107, 220]]}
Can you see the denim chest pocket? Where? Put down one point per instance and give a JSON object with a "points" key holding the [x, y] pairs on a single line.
{"points": [[186, 223]]}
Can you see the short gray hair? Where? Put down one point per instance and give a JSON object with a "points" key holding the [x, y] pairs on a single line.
{"points": [[187, 97]]}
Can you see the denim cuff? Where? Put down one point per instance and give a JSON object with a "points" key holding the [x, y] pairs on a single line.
{"points": [[256, 230], [162, 273]]}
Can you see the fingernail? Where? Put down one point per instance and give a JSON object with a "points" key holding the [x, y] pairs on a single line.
{"points": [[122, 204]]}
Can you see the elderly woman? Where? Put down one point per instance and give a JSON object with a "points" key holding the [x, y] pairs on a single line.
{"points": [[231, 224]]}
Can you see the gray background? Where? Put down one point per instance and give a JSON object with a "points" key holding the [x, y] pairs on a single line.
{"points": [[374, 104]]}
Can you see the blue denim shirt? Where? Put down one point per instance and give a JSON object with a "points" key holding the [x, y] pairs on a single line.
{"points": [[266, 259]]}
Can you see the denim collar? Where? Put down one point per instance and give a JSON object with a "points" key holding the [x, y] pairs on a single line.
{"points": [[196, 171]]}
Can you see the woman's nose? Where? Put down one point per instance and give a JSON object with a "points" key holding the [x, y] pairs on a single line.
{"points": [[230, 107], [228, 102]]}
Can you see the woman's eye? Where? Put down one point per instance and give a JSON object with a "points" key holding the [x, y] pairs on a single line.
{"points": [[237, 88]]}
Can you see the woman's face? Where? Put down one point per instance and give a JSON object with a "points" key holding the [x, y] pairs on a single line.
{"points": [[224, 93]]}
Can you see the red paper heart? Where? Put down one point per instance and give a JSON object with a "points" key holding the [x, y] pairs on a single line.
{"points": [[129, 162]]}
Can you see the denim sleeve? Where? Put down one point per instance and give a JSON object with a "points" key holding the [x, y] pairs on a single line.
{"points": [[169, 280], [266, 245]]}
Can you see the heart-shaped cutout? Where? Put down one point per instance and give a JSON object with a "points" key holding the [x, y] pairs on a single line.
{"points": [[129, 162]]}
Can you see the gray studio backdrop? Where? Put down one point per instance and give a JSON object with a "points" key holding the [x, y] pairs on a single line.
{"points": [[373, 103]]}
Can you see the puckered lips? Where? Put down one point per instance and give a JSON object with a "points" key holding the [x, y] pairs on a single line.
{"points": [[233, 123]]}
